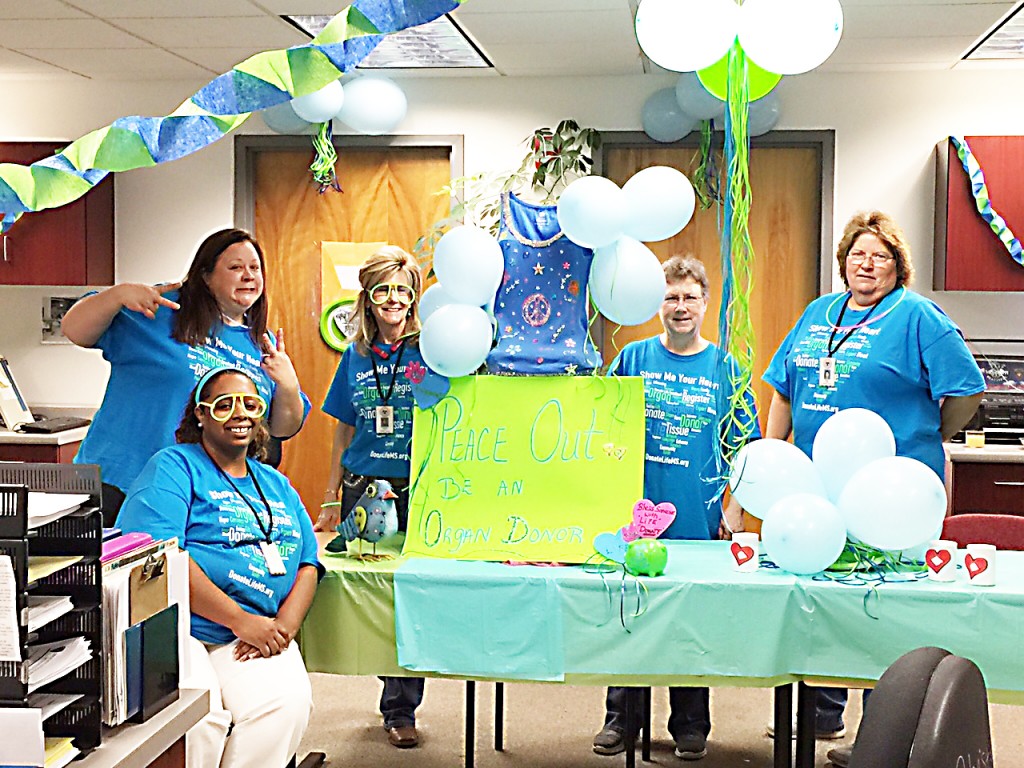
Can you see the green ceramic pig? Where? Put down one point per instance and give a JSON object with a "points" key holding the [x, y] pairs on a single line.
{"points": [[646, 557]]}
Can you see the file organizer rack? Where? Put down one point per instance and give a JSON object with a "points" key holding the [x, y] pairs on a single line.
{"points": [[78, 533]]}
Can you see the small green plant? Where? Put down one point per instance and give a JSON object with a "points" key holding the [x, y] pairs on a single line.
{"points": [[556, 157]]}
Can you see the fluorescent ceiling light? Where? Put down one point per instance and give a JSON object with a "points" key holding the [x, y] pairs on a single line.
{"points": [[439, 44], [1006, 41]]}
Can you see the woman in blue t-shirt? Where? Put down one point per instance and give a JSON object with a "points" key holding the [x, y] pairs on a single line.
{"points": [[253, 571], [160, 340], [371, 397]]}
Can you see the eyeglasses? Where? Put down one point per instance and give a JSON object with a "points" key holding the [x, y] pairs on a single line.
{"points": [[223, 407], [403, 294], [876, 259], [690, 302]]}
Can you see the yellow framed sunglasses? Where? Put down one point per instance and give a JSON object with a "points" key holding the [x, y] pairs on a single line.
{"points": [[404, 294], [223, 407]]}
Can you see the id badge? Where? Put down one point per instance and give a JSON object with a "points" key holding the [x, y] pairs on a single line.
{"points": [[273, 557], [385, 419], [826, 372]]}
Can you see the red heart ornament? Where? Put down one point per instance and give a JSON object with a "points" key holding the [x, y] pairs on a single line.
{"points": [[975, 565], [740, 553], [937, 559]]}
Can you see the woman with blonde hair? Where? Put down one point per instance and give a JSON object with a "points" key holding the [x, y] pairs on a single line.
{"points": [[371, 397]]}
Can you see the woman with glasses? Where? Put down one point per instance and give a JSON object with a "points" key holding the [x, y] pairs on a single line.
{"points": [[371, 397], [253, 570], [159, 340], [880, 346]]}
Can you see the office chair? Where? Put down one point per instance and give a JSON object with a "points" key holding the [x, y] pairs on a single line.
{"points": [[1004, 531], [928, 710]]}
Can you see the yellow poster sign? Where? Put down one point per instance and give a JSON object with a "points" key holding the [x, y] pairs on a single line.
{"points": [[525, 468]]}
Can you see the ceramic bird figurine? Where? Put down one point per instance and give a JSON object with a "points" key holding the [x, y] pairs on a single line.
{"points": [[374, 517]]}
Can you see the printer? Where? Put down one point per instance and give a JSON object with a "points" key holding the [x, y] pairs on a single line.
{"points": [[1001, 413]]}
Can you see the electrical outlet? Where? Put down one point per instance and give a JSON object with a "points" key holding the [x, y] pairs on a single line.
{"points": [[54, 308]]}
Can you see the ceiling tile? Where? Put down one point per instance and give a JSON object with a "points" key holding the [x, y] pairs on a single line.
{"points": [[477, 7], [264, 33], [38, 9], [910, 22], [163, 9], [868, 54], [65, 33], [133, 64], [571, 59], [218, 59], [15, 64], [552, 28]]}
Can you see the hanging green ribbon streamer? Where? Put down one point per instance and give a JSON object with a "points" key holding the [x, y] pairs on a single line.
{"points": [[979, 190], [324, 160]]}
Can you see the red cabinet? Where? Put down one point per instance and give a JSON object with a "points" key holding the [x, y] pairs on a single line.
{"points": [[988, 487], [69, 245]]}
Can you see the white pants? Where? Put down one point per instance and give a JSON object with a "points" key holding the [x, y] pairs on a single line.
{"points": [[268, 701]]}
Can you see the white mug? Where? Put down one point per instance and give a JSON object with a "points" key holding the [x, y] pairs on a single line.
{"points": [[940, 560], [980, 564], [744, 550]]}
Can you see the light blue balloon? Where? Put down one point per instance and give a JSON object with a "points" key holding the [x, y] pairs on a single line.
{"points": [[455, 340], [592, 211], [663, 119], [281, 118], [893, 503], [373, 105], [803, 533], [469, 264], [627, 282], [848, 440], [661, 202], [322, 105], [695, 100], [763, 114], [432, 300], [765, 471]]}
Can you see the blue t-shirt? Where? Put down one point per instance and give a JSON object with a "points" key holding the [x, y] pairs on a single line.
{"points": [[685, 397], [151, 377], [182, 493], [899, 364], [353, 399]]}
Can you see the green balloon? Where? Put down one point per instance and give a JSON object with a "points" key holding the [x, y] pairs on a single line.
{"points": [[646, 557], [716, 78]]}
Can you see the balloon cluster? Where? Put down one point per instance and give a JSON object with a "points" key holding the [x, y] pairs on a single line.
{"points": [[671, 113], [457, 310], [626, 281], [853, 485], [367, 104]]}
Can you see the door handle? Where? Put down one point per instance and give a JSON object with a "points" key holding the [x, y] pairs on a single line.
{"points": [[1010, 483]]}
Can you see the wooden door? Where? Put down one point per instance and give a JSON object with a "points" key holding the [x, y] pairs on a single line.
{"points": [[389, 195], [785, 229]]}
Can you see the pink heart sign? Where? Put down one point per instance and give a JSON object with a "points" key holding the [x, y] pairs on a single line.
{"points": [[975, 565], [740, 553], [649, 520], [937, 559]]}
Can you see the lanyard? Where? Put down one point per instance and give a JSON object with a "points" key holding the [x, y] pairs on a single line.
{"points": [[266, 530], [853, 330], [394, 373]]}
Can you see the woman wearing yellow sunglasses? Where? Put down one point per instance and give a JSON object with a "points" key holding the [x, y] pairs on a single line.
{"points": [[371, 397], [253, 571]]}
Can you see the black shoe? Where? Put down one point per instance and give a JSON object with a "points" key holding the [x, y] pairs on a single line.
{"points": [[691, 746], [609, 741], [840, 756]]}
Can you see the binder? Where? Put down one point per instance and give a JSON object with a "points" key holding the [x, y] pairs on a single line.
{"points": [[151, 660]]}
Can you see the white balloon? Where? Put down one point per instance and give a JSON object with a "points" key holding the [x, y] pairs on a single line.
{"points": [[432, 300], [789, 37], [695, 100], [660, 203], [627, 282], [893, 503], [763, 115], [803, 533], [469, 264], [320, 106], [281, 118], [373, 105], [592, 211], [455, 340], [686, 35], [847, 441], [765, 471]]}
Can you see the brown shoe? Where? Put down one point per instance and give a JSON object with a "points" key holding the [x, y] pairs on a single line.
{"points": [[403, 736]]}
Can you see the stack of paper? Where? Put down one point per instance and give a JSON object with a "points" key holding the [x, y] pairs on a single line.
{"points": [[59, 752], [10, 649], [42, 609], [52, 703], [51, 661], [44, 508], [115, 622]]}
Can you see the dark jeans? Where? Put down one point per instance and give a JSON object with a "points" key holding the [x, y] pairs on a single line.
{"points": [[689, 710], [830, 706], [111, 500], [401, 695]]}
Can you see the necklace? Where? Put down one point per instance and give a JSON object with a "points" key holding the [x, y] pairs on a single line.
{"points": [[506, 213], [845, 297]]}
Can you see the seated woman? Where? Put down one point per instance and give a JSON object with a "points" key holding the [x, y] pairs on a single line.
{"points": [[252, 574]]}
